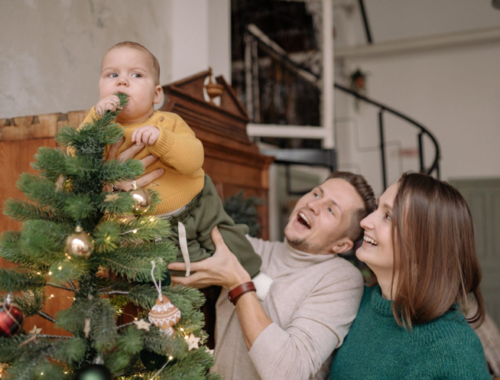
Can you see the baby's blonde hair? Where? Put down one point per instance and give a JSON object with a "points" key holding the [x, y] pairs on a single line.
{"points": [[135, 45]]}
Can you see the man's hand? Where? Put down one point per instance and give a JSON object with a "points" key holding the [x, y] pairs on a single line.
{"points": [[222, 269], [109, 103], [146, 135], [128, 154]]}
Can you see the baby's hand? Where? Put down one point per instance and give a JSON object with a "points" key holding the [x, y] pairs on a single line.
{"points": [[146, 135], [109, 103]]}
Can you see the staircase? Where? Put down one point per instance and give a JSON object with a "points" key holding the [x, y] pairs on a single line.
{"points": [[255, 39]]}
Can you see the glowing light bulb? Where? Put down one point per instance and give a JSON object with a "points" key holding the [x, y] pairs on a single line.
{"points": [[59, 267], [50, 273], [134, 231]]}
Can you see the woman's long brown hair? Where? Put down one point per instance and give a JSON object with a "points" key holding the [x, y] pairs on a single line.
{"points": [[434, 251]]}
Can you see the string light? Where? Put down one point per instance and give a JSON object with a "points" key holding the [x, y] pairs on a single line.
{"points": [[134, 231], [50, 273], [59, 267]]}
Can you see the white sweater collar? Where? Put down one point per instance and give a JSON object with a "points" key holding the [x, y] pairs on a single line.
{"points": [[294, 258]]}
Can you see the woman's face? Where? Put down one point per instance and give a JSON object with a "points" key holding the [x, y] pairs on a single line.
{"points": [[377, 250]]}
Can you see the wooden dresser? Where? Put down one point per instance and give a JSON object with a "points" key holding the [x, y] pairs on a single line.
{"points": [[231, 159]]}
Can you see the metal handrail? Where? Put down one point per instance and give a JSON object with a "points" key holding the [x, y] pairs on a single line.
{"points": [[274, 50], [423, 130]]}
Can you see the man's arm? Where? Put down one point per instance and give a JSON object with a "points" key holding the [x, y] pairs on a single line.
{"points": [[317, 326], [224, 269]]}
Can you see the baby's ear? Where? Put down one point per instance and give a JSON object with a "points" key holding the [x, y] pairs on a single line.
{"points": [[158, 92]]}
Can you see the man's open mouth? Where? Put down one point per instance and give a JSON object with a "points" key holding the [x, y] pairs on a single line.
{"points": [[302, 219]]}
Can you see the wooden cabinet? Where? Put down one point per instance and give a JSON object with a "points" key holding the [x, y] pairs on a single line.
{"points": [[231, 159]]}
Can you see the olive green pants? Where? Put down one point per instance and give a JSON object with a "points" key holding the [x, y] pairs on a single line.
{"points": [[199, 217]]}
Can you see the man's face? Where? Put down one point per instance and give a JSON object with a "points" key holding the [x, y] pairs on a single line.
{"points": [[130, 71], [320, 219]]}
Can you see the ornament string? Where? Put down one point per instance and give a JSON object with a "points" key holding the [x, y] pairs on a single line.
{"points": [[159, 371], [157, 284]]}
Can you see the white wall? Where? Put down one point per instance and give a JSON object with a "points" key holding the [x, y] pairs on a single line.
{"points": [[454, 92], [51, 50]]}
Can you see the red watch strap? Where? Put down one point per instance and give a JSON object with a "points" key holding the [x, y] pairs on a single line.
{"points": [[240, 290]]}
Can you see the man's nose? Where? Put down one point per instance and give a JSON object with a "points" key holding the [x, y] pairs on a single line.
{"points": [[315, 206]]}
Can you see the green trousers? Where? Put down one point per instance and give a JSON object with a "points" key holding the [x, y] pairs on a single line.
{"points": [[199, 217]]}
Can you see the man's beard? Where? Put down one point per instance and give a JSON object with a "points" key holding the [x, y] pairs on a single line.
{"points": [[302, 244]]}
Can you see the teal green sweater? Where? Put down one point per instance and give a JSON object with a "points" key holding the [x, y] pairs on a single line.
{"points": [[377, 348]]}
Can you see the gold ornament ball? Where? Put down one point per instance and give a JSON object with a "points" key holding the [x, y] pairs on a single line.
{"points": [[79, 244], [164, 315], [142, 200]]}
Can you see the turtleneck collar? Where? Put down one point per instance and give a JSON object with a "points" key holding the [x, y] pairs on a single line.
{"points": [[379, 304], [294, 258]]}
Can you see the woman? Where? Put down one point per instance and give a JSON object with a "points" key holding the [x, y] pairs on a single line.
{"points": [[419, 243]]}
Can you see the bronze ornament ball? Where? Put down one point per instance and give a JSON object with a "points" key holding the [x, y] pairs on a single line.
{"points": [[142, 199], [79, 244]]}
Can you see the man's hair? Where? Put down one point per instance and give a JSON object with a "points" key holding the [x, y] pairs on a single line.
{"points": [[434, 251], [135, 45], [365, 191]]}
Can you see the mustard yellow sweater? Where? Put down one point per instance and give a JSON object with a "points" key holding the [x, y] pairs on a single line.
{"points": [[180, 154]]}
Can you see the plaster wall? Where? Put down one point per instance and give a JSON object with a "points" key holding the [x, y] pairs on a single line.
{"points": [[451, 91], [51, 50]]}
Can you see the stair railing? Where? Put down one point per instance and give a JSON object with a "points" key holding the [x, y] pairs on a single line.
{"points": [[256, 36]]}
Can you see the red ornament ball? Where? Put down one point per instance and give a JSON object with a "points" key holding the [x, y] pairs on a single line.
{"points": [[11, 319]]}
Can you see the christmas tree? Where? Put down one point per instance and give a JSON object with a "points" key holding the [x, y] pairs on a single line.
{"points": [[106, 248]]}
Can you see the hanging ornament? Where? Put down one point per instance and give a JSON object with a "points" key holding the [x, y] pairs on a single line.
{"points": [[142, 325], [93, 372], [193, 342], [11, 318], [36, 330], [142, 199], [164, 314], [79, 244]]}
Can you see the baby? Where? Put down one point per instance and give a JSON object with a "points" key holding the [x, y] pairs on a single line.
{"points": [[188, 196]]}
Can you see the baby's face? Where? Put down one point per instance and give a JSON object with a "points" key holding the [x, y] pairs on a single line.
{"points": [[130, 71]]}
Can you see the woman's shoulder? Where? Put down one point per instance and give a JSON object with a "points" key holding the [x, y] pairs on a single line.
{"points": [[451, 333]]}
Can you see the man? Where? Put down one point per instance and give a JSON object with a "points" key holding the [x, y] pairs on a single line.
{"points": [[314, 297]]}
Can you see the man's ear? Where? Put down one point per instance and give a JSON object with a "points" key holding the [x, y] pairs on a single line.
{"points": [[342, 245]]}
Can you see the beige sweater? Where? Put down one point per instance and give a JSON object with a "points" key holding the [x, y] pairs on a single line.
{"points": [[312, 302]]}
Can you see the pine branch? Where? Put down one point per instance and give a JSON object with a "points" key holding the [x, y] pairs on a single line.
{"points": [[13, 281], [21, 211], [31, 301], [61, 287], [46, 316], [120, 292], [52, 162]]}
